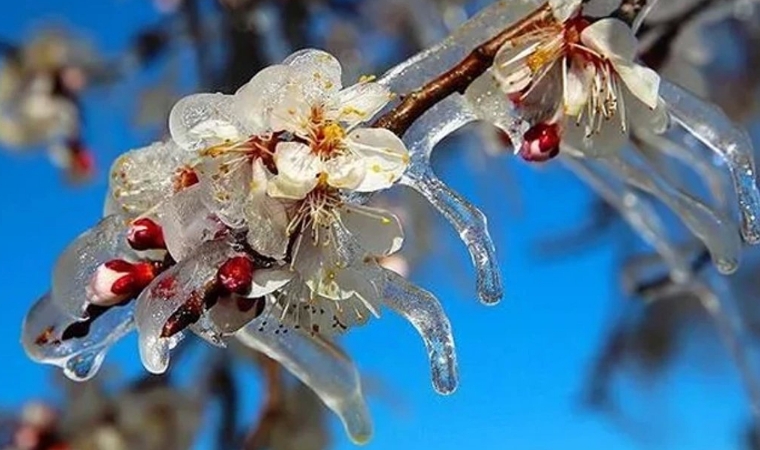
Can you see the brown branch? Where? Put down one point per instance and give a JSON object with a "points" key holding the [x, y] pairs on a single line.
{"points": [[459, 77], [272, 408]]}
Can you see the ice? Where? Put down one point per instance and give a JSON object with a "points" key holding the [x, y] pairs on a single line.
{"points": [[74, 268], [319, 364], [79, 357]]}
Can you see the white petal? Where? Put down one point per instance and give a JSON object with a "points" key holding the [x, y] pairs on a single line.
{"points": [[142, 178], [266, 217], [612, 38], [577, 88], [378, 231], [345, 171], [510, 67], [298, 170], [254, 101], [385, 156], [266, 281], [202, 120], [319, 72], [564, 9], [291, 112], [221, 179], [359, 103], [643, 82]]}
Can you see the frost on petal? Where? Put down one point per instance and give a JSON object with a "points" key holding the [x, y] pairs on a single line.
{"points": [[729, 141], [377, 231], [319, 364], [255, 99], [203, 120], [298, 169], [385, 157], [76, 265], [612, 38], [291, 112], [426, 314], [81, 354], [318, 73], [182, 285], [186, 222], [267, 217], [223, 182], [511, 69], [359, 103], [345, 171], [142, 178]]}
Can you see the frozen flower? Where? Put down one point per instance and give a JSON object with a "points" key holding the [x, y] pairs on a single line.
{"points": [[577, 80]]}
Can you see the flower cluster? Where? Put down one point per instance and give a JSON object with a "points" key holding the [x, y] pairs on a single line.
{"points": [[249, 223]]}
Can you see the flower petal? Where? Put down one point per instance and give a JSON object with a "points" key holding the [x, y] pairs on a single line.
{"points": [[377, 231], [577, 88], [612, 38], [510, 67], [292, 112], [254, 101], [643, 82], [298, 169], [202, 120], [359, 103], [385, 156], [142, 178], [345, 171], [266, 281], [221, 179], [319, 73], [266, 216]]}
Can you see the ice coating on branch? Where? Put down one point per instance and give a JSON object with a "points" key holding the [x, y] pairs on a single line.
{"points": [[80, 357], [74, 268], [711, 126], [426, 314], [719, 233], [317, 363], [636, 209], [183, 283]]}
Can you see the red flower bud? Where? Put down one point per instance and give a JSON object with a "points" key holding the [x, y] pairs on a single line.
{"points": [[118, 280], [145, 234], [541, 142], [236, 275]]}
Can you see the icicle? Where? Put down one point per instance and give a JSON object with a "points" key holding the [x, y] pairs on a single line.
{"points": [[426, 314], [711, 126], [79, 357], [319, 364], [717, 232], [636, 210]]}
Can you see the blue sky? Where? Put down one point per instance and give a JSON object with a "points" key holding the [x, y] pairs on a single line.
{"points": [[522, 363]]}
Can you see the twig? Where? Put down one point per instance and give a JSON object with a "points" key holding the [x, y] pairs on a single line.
{"points": [[459, 77]]}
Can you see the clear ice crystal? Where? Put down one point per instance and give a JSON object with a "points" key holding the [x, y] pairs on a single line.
{"points": [[426, 314], [167, 293], [729, 141], [76, 265], [81, 357], [319, 364], [718, 232]]}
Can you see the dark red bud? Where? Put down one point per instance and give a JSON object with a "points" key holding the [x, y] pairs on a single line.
{"points": [[541, 142], [145, 234], [236, 275]]}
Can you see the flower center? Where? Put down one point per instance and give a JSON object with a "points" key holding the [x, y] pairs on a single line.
{"points": [[316, 210]]}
